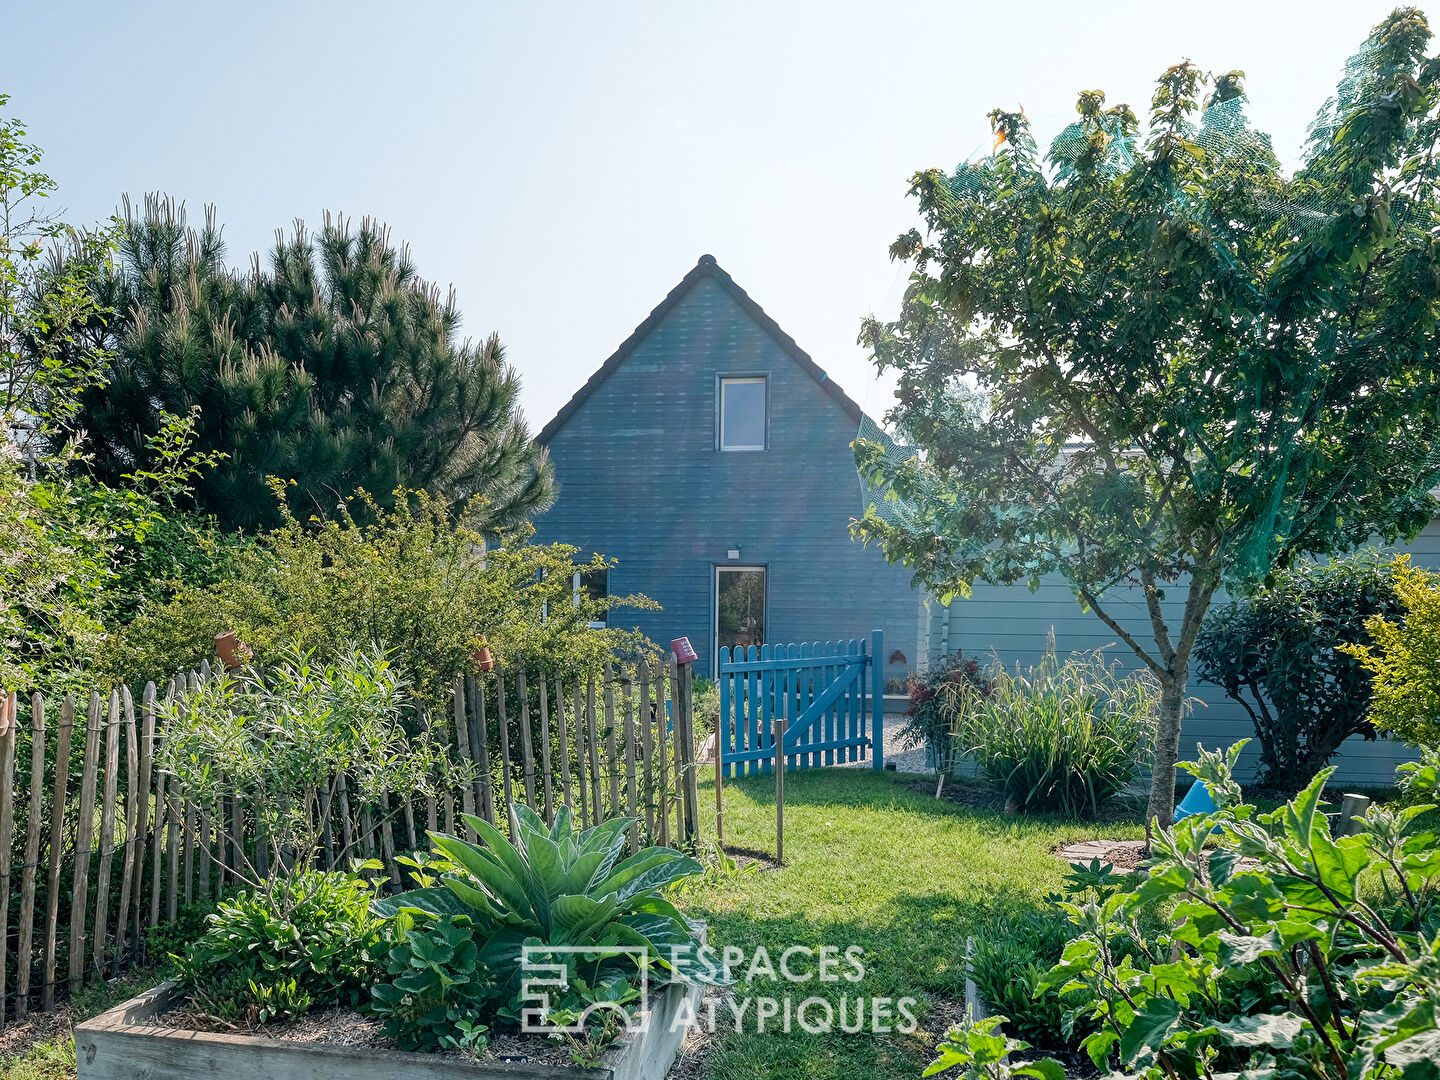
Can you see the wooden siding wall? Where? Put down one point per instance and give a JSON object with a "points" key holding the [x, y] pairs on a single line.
{"points": [[641, 480], [1013, 622]]}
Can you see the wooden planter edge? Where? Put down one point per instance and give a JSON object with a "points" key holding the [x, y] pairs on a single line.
{"points": [[119, 1045]]}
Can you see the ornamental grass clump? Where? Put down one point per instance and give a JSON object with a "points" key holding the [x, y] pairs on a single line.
{"points": [[1061, 737]]}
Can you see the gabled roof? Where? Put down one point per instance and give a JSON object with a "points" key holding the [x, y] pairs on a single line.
{"points": [[707, 267]]}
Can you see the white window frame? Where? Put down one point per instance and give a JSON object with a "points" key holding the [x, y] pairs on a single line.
{"points": [[575, 598], [726, 380]]}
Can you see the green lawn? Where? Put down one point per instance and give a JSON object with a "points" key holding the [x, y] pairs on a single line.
{"points": [[871, 860]]}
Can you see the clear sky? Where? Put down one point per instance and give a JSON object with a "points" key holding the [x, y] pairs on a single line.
{"points": [[563, 165]]}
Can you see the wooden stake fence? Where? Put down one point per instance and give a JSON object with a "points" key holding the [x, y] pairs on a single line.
{"points": [[103, 845]]}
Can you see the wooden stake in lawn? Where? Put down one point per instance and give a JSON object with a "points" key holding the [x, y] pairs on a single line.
{"points": [[778, 728]]}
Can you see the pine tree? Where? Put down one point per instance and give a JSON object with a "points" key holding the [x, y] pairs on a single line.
{"points": [[335, 370]]}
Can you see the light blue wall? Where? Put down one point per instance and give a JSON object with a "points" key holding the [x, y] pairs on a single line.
{"points": [[641, 480], [1011, 622]]}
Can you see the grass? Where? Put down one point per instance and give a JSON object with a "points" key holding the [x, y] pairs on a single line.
{"points": [[871, 859], [53, 1057]]}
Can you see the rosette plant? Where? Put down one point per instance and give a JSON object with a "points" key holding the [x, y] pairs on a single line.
{"points": [[553, 888]]}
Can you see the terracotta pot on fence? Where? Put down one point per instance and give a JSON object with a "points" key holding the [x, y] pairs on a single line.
{"points": [[483, 660], [233, 652]]}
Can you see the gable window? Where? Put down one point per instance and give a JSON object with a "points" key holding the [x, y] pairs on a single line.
{"points": [[592, 585], [742, 413]]}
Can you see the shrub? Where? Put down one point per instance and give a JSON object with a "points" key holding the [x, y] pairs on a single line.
{"points": [[1275, 958], [1276, 653], [556, 887], [310, 942], [1404, 661], [283, 739], [1063, 737], [938, 698], [415, 580]]}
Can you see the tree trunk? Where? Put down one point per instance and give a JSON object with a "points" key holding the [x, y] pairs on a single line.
{"points": [[1167, 752]]}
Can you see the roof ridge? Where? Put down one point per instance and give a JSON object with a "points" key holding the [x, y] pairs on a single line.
{"points": [[705, 266]]}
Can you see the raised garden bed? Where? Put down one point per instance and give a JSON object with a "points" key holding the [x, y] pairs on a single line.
{"points": [[126, 1043]]}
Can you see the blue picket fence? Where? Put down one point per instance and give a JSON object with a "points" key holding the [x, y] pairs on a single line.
{"points": [[827, 691]]}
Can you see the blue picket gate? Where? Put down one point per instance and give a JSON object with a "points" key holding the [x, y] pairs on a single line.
{"points": [[827, 691]]}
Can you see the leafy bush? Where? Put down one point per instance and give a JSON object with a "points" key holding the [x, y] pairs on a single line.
{"points": [[1404, 661], [283, 739], [437, 987], [556, 887], [416, 580], [1274, 958], [1065, 736], [309, 942], [938, 698], [1276, 653]]}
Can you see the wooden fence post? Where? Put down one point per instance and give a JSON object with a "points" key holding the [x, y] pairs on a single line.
{"points": [[877, 699], [685, 745], [527, 752], [504, 743], [462, 742], [545, 752], [778, 728], [647, 748], [610, 758], [561, 723], [9, 721], [627, 706], [597, 813], [57, 835], [577, 713], [484, 782], [147, 767], [84, 829], [25, 950], [663, 765], [133, 794]]}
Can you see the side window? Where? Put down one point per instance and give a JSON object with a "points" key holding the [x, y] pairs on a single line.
{"points": [[742, 413], [593, 585]]}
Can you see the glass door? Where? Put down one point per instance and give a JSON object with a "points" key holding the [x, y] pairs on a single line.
{"points": [[739, 607]]}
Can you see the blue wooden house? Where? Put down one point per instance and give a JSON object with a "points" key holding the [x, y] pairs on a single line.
{"points": [[710, 457]]}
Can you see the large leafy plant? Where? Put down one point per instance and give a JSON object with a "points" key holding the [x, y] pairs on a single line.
{"points": [[1288, 952], [556, 887]]}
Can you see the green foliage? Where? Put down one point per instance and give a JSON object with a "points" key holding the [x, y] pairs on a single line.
{"points": [[555, 886], [74, 557], [1275, 652], [282, 739], [165, 939], [437, 989], [310, 942], [1065, 736], [1276, 958], [1160, 361], [337, 368], [414, 580], [981, 1051], [937, 699], [47, 270], [1012, 955], [1404, 660]]}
